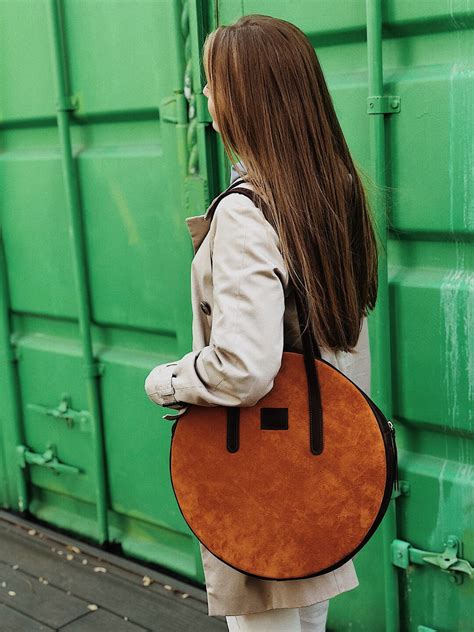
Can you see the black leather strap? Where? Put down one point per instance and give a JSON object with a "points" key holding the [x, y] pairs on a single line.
{"points": [[311, 351], [233, 434], [314, 391]]}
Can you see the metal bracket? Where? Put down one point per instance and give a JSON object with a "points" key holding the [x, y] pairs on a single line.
{"points": [[64, 412], [389, 104], [16, 350], [173, 109], [168, 110], [67, 103], [48, 459], [403, 490], [203, 114], [94, 369], [404, 554]]}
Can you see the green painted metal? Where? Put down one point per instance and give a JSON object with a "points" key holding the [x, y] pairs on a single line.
{"points": [[379, 326], [105, 147], [64, 106], [14, 486], [404, 554]]}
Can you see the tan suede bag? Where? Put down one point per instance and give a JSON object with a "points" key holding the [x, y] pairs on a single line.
{"points": [[294, 486]]}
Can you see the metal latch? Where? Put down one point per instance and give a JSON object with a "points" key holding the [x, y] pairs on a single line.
{"points": [[64, 412], [48, 459], [404, 554]]}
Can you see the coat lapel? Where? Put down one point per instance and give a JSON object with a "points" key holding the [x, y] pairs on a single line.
{"points": [[198, 226]]}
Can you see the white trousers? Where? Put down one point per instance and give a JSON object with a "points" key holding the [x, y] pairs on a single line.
{"points": [[307, 619]]}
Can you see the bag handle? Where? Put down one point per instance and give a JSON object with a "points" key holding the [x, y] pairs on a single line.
{"points": [[311, 351]]}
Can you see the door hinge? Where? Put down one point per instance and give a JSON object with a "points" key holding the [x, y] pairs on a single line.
{"points": [[403, 554]]}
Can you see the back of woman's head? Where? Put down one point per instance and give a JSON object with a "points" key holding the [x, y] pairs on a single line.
{"points": [[276, 115]]}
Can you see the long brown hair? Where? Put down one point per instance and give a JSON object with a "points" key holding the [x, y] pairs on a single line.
{"points": [[276, 115]]}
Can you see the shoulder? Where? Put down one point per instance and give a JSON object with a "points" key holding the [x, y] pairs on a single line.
{"points": [[241, 229], [239, 224], [232, 201], [239, 211]]}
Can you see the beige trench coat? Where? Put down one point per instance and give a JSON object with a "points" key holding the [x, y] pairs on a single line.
{"points": [[243, 317]]}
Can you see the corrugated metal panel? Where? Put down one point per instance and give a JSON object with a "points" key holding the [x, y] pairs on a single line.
{"points": [[426, 156], [101, 238], [143, 157]]}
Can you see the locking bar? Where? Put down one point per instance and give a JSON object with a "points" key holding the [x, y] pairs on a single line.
{"points": [[403, 554], [48, 459], [64, 412]]}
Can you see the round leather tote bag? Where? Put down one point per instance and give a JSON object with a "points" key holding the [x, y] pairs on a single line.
{"points": [[294, 486]]}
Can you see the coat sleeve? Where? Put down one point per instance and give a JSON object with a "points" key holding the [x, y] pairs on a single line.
{"points": [[245, 349]]}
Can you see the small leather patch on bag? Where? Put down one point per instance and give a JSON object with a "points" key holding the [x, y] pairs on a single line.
{"points": [[274, 418]]}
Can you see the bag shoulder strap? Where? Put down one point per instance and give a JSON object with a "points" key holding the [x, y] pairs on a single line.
{"points": [[311, 348]]}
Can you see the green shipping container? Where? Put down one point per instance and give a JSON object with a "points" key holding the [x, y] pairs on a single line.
{"points": [[105, 147]]}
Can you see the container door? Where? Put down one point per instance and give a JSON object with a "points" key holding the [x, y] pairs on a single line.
{"points": [[105, 151], [415, 572]]}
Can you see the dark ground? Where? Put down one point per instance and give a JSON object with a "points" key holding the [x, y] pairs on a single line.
{"points": [[49, 581]]}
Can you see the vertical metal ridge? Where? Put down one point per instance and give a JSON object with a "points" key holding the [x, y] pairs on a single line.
{"points": [[71, 186]]}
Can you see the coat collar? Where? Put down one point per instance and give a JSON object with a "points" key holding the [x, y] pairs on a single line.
{"points": [[198, 225]]}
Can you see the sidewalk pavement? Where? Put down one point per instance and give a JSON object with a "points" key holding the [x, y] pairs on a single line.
{"points": [[50, 581]]}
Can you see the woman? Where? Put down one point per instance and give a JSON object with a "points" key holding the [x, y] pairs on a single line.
{"points": [[269, 101]]}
